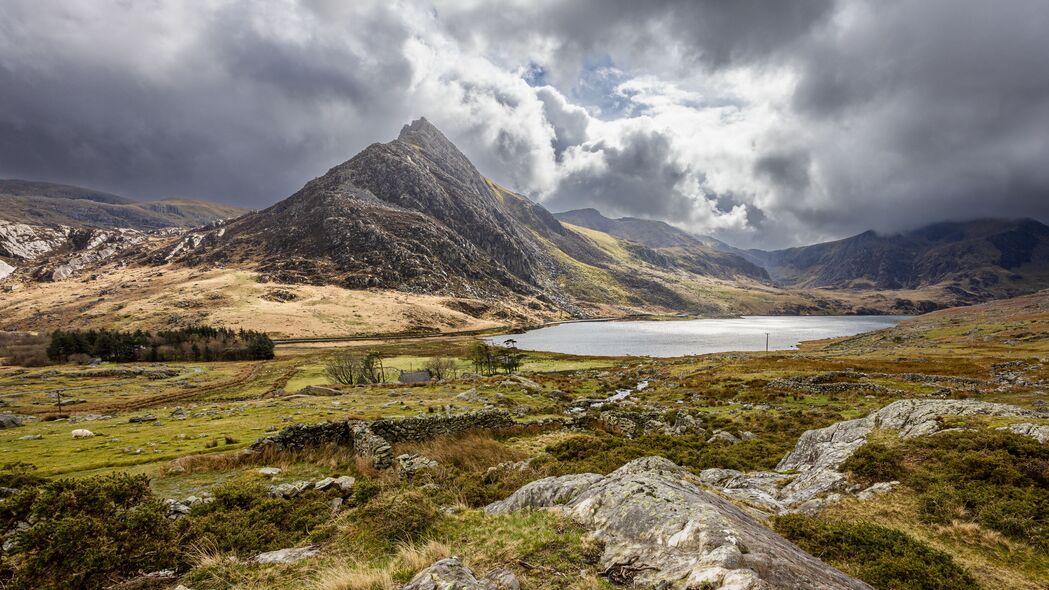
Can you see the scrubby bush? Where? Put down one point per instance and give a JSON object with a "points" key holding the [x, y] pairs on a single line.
{"points": [[86, 533], [602, 453], [398, 516], [884, 558], [996, 479], [19, 475], [243, 519], [874, 462]]}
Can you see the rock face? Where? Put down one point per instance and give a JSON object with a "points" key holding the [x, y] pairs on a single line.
{"points": [[819, 453], [659, 527], [448, 574]]}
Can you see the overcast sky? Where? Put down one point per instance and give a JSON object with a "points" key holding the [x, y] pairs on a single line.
{"points": [[765, 123]]}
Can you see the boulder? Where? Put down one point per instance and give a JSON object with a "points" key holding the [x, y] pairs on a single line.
{"points": [[141, 419], [290, 490], [410, 464], [319, 391], [345, 484], [270, 471], [450, 573], [723, 437], [9, 421], [526, 383], [286, 555], [659, 528], [176, 509]]}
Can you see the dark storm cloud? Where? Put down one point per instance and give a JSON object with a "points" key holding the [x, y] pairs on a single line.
{"points": [[894, 113], [659, 33], [641, 177], [242, 115], [921, 111]]}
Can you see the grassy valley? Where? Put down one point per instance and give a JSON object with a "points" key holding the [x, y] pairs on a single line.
{"points": [[187, 429]]}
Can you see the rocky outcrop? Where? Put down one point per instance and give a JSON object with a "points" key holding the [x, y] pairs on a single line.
{"points": [[1039, 432], [830, 446], [450, 573], [659, 527], [819, 453], [286, 555]]}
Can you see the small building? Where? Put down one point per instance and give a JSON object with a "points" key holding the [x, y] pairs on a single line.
{"points": [[415, 376]]}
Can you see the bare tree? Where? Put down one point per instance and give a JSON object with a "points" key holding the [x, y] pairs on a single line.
{"points": [[344, 368], [441, 367], [352, 369]]}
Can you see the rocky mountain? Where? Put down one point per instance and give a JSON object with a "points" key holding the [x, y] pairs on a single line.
{"points": [[976, 260], [695, 253], [415, 215], [412, 214]]}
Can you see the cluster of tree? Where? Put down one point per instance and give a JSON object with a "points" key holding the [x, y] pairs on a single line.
{"points": [[489, 360], [197, 343], [351, 368]]}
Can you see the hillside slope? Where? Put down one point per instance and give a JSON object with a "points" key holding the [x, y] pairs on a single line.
{"points": [[687, 250]]}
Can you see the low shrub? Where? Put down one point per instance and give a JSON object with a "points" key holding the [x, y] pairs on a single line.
{"points": [[86, 533], [19, 476], [603, 453], [244, 520], [397, 516], [996, 479], [874, 462], [884, 558]]}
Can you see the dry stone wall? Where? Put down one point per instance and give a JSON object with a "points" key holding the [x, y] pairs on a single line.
{"points": [[374, 439]]}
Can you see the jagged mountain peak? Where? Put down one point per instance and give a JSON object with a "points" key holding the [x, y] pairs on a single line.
{"points": [[420, 131]]}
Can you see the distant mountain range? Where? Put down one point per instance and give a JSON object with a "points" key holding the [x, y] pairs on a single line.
{"points": [[973, 261], [415, 216], [986, 258], [45, 203]]}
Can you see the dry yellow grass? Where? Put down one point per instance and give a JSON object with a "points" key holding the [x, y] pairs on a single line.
{"points": [[359, 576], [470, 452], [148, 298]]}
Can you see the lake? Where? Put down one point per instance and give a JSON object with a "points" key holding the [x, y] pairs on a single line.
{"points": [[684, 337]]}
